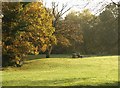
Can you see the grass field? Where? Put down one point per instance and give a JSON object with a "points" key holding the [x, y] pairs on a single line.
{"points": [[94, 71]]}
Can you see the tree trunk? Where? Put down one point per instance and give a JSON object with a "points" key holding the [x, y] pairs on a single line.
{"points": [[48, 52]]}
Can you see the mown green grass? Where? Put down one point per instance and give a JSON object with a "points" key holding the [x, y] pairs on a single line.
{"points": [[94, 71]]}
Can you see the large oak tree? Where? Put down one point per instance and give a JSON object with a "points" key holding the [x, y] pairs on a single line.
{"points": [[26, 29]]}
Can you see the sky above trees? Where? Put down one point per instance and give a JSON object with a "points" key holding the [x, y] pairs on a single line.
{"points": [[95, 6]]}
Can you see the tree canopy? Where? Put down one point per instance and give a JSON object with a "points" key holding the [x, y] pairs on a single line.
{"points": [[26, 30], [99, 34]]}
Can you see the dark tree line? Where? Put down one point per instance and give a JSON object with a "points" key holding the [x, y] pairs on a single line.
{"points": [[99, 33]]}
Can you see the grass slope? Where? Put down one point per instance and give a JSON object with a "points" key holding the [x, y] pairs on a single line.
{"points": [[93, 71]]}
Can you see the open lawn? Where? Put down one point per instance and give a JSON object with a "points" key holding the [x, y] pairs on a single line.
{"points": [[95, 71]]}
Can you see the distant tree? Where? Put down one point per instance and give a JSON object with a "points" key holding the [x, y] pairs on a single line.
{"points": [[58, 22], [99, 33], [68, 33], [107, 32], [57, 14], [116, 3], [87, 22]]}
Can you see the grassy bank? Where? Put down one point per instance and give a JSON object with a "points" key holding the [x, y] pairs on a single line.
{"points": [[93, 71]]}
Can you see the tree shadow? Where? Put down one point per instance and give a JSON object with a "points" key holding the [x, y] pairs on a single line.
{"points": [[56, 84], [33, 57], [42, 82], [43, 56], [116, 83]]}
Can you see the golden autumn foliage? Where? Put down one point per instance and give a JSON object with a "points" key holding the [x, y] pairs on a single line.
{"points": [[26, 29]]}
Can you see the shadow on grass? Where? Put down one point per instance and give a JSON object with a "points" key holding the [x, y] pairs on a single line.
{"points": [[55, 84], [33, 57], [43, 82], [110, 84], [41, 56]]}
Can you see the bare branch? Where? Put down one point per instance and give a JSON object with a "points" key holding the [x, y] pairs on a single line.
{"points": [[101, 9], [114, 2], [63, 7], [84, 5], [117, 4], [66, 10]]}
